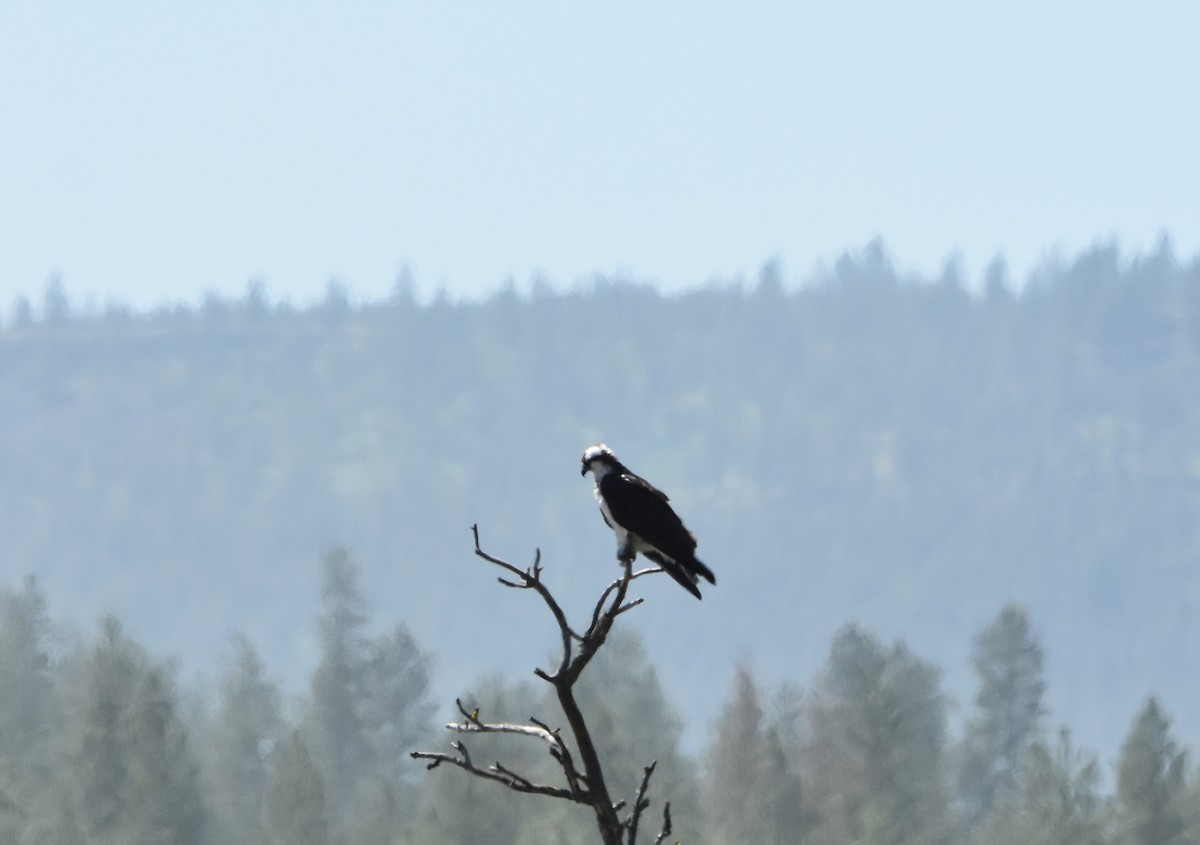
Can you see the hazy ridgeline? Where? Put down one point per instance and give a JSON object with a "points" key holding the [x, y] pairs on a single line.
{"points": [[901, 456]]}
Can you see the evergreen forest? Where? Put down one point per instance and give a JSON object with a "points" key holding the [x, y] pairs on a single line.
{"points": [[953, 523]]}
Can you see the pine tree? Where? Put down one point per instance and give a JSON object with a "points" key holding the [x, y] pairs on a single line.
{"points": [[394, 715], [875, 760], [1008, 712], [1152, 801], [752, 792], [296, 804], [333, 728], [130, 777], [164, 796], [1057, 801], [367, 708], [27, 708], [248, 726]]}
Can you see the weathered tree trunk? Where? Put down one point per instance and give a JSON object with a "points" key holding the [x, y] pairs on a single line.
{"points": [[586, 786]]}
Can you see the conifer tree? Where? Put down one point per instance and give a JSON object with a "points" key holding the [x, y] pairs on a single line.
{"points": [[1152, 802], [333, 727], [129, 775], [875, 760], [164, 794], [1008, 712], [296, 804], [27, 712], [368, 705], [752, 793], [248, 726], [1058, 800]]}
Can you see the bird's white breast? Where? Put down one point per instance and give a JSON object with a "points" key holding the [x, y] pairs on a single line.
{"points": [[622, 534]]}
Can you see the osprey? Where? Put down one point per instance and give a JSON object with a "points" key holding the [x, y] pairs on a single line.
{"points": [[643, 520]]}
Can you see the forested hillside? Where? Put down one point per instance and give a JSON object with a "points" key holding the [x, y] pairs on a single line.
{"points": [[903, 454]]}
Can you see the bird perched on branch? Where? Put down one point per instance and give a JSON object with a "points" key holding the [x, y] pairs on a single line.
{"points": [[643, 520]]}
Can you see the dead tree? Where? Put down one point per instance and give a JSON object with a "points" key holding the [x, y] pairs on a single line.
{"points": [[583, 782]]}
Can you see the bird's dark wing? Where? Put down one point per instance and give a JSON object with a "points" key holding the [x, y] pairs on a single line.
{"points": [[643, 509], [677, 571]]}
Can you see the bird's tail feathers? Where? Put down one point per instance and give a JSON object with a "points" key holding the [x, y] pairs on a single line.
{"points": [[686, 579], [686, 572], [697, 568]]}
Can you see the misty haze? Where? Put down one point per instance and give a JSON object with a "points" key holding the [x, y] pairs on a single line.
{"points": [[953, 521]]}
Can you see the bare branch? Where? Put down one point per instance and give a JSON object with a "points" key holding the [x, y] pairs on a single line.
{"points": [[562, 754], [525, 575], [516, 781], [628, 606], [531, 579], [582, 787], [665, 830], [624, 579], [639, 803], [502, 728], [496, 773], [472, 717], [537, 729]]}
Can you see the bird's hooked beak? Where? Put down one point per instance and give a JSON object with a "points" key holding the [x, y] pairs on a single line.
{"points": [[584, 470]]}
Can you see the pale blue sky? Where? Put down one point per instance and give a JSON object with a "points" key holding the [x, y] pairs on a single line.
{"points": [[151, 151]]}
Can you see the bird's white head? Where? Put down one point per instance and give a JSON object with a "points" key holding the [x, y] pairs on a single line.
{"points": [[599, 460]]}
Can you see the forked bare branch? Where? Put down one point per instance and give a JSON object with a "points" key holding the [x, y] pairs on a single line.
{"points": [[581, 787]]}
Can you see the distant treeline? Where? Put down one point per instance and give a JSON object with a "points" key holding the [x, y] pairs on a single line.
{"points": [[99, 744], [910, 454]]}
